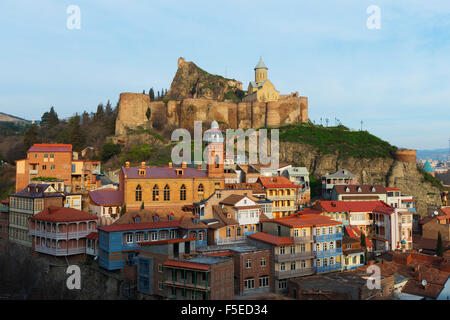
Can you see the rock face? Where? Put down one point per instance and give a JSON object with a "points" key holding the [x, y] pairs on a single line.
{"points": [[199, 96], [388, 171], [192, 82]]}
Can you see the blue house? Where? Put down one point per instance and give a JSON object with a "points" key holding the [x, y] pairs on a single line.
{"points": [[120, 243]]}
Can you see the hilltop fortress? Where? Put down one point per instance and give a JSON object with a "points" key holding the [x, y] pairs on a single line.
{"points": [[196, 95]]}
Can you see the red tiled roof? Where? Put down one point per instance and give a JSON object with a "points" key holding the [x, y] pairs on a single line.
{"points": [[164, 172], [92, 235], [309, 211], [277, 182], [62, 214], [354, 232], [408, 200], [351, 206], [106, 197], [384, 209], [50, 147], [392, 189], [306, 220], [187, 265], [140, 226], [271, 239]]}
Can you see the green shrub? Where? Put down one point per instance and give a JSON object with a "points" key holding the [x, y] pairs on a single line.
{"points": [[109, 150]]}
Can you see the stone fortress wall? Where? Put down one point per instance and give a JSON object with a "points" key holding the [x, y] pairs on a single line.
{"points": [[289, 109]]}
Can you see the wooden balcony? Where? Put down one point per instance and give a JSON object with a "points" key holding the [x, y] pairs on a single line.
{"points": [[294, 256], [303, 239], [60, 251]]}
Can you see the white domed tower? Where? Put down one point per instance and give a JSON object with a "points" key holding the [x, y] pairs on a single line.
{"points": [[214, 144]]}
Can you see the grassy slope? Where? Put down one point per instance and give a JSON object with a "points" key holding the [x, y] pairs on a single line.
{"points": [[332, 140]]}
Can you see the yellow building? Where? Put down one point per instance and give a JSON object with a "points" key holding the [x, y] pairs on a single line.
{"points": [[175, 186], [261, 89]]}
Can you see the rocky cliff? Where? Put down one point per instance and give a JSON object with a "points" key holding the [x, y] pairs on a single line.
{"points": [[190, 81], [387, 171]]}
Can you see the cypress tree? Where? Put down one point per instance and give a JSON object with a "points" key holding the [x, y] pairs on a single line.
{"points": [[151, 93]]}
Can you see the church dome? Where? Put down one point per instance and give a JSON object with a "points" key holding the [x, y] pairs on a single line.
{"points": [[261, 65], [214, 134]]}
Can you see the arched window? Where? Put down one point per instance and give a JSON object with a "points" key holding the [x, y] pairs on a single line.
{"points": [[138, 193], [155, 193], [201, 191], [166, 193], [183, 192]]}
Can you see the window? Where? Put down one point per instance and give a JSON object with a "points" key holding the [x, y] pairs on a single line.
{"points": [[52, 167], [296, 233], [249, 283], [129, 237], [354, 260], [52, 155], [282, 284], [183, 192], [228, 232], [282, 266], [160, 267], [325, 262], [155, 193], [45, 155], [139, 237], [317, 231], [141, 172], [145, 236], [263, 281], [330, 230], [44, 167], [331, 260], [160, 285], [303, 264], [166, 193], [138, 193], [302, 247], [263, 262], [293, 265], [200, 189], [154, 236], [282, 250], [331, 245], [248, 264], [319, 262], [292, 249]]}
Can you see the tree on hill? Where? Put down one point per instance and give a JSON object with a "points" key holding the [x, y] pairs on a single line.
{"points": [[148, 113], [76, 135], [151, 93], [439, 246], [85, 119], [109, 150], [31, 136], [100, 114], [49, 119]]}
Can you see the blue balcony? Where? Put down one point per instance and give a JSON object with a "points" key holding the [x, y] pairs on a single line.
{"points": [[328, 237], [130, 246], [327, 253], [329, 268], [201, 243], [412, 210]]}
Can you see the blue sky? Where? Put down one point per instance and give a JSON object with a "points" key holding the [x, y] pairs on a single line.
{"points": [[396, 79]]}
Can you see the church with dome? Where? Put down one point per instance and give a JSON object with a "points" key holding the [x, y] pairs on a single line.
{"points": [[261, 89]]}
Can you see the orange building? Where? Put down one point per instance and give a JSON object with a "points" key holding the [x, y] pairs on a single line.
{"points": [[283, 193], [55, 164]]}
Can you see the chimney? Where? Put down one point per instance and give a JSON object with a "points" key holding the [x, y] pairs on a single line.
{"points": [[184, 165], [127, 164], [143, 164], [170, 164]]}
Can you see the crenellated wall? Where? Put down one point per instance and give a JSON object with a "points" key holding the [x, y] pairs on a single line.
{"points": [[133, 108]]}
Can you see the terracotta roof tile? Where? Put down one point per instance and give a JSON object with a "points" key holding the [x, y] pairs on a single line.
{"points": [[50, 147], [106, 197], [62, 214], [277, 182], [271, 239]]}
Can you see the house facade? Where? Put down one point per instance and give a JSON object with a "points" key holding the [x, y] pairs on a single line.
{"points": [[25, 204], [60, 231]]}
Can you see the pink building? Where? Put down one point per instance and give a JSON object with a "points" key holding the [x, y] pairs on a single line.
{"points": [[61, 231]]}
